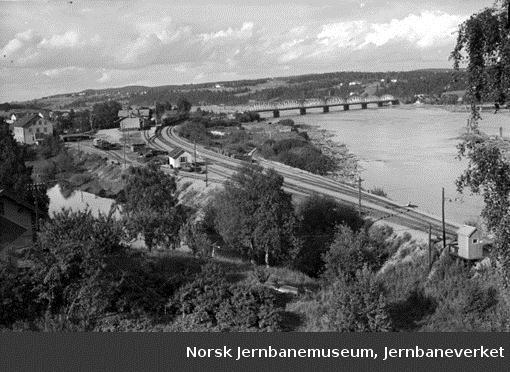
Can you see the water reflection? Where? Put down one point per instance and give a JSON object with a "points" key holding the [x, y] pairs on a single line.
{"points": [[79, 201]]}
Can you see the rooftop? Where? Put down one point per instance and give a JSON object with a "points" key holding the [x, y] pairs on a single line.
{"points": [[467, 230], [175, 153], [26, 120]]}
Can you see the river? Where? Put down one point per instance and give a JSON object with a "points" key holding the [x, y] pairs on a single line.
{"points": [[78, 201], [410, 152]]}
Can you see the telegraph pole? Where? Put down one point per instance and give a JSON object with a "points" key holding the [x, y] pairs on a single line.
{"points": [[206, 174], [442, 216], [359, 196], [430, 247], [124, 135], [195, 152], [34, 188]]}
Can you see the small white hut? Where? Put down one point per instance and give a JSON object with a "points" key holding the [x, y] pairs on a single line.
{"points": [[178, 157], [470, 243]]}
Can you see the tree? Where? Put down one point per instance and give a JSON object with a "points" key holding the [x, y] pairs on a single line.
{"points": [[195, 236], [483, 45], [104, 115], [183, 105], [80, 273], [14, 174], [318, 218], [255, 216], [152, 207]]}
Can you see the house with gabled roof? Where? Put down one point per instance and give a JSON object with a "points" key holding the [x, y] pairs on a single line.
{"points": [[471, 243], [178, 157], [31, 128]]}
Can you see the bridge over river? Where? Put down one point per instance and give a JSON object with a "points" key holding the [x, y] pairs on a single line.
{"points": [[325, 104]]}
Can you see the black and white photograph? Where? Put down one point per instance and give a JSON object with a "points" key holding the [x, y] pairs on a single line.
{"points": [[255, 166]]}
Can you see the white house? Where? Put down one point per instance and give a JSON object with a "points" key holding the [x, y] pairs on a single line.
{"points": [[178, 157], [31, 128], [470, 243], [130, 123]]}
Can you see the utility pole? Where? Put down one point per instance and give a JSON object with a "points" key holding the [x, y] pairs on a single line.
{"points": [[195, 151], [430, 247], [124, 150], [359, 196], [206, 174], [33, 187], [442, 216]]}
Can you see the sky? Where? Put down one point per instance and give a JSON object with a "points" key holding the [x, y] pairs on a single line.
{"points": [[51, 47]]}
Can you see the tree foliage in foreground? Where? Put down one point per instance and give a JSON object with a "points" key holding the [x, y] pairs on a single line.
{"points": [[15, 176], [255, 216], [152, 207], [318, 218], [79, 273], [483, 46], [357, 305], [210, 303]]}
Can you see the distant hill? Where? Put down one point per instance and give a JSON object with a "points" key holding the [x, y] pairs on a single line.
{"points": [[405, 85]]}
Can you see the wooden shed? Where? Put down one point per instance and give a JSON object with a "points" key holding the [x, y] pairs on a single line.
{"points": [[470, 243]]}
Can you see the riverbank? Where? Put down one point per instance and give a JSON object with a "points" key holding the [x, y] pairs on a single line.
{"points": [[93, 174], [348, 168], [410, 152]]}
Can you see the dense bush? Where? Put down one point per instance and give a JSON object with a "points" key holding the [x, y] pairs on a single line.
{"points": [[18, 300], [351, 251], [210, 303], [298, 153], [247, 117], [194, 131], [356, 304]]}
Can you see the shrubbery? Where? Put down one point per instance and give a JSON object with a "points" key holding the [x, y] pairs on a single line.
{"points": [[298, 153], [210, 303]]}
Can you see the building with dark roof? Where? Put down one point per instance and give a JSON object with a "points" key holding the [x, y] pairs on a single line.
{"points": [[177, 157], [31, 128], [17, 218]]}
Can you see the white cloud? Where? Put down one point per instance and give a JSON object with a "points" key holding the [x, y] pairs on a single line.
{"points": [[104, 77], [57, 72], [424, 30], [66, 40], [245, 31], [20, 41], [160, 29], [120, 44], [342, 34]]}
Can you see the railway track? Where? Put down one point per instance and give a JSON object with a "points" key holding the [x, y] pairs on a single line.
{"points": [[305, 183], [161, 144]]}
